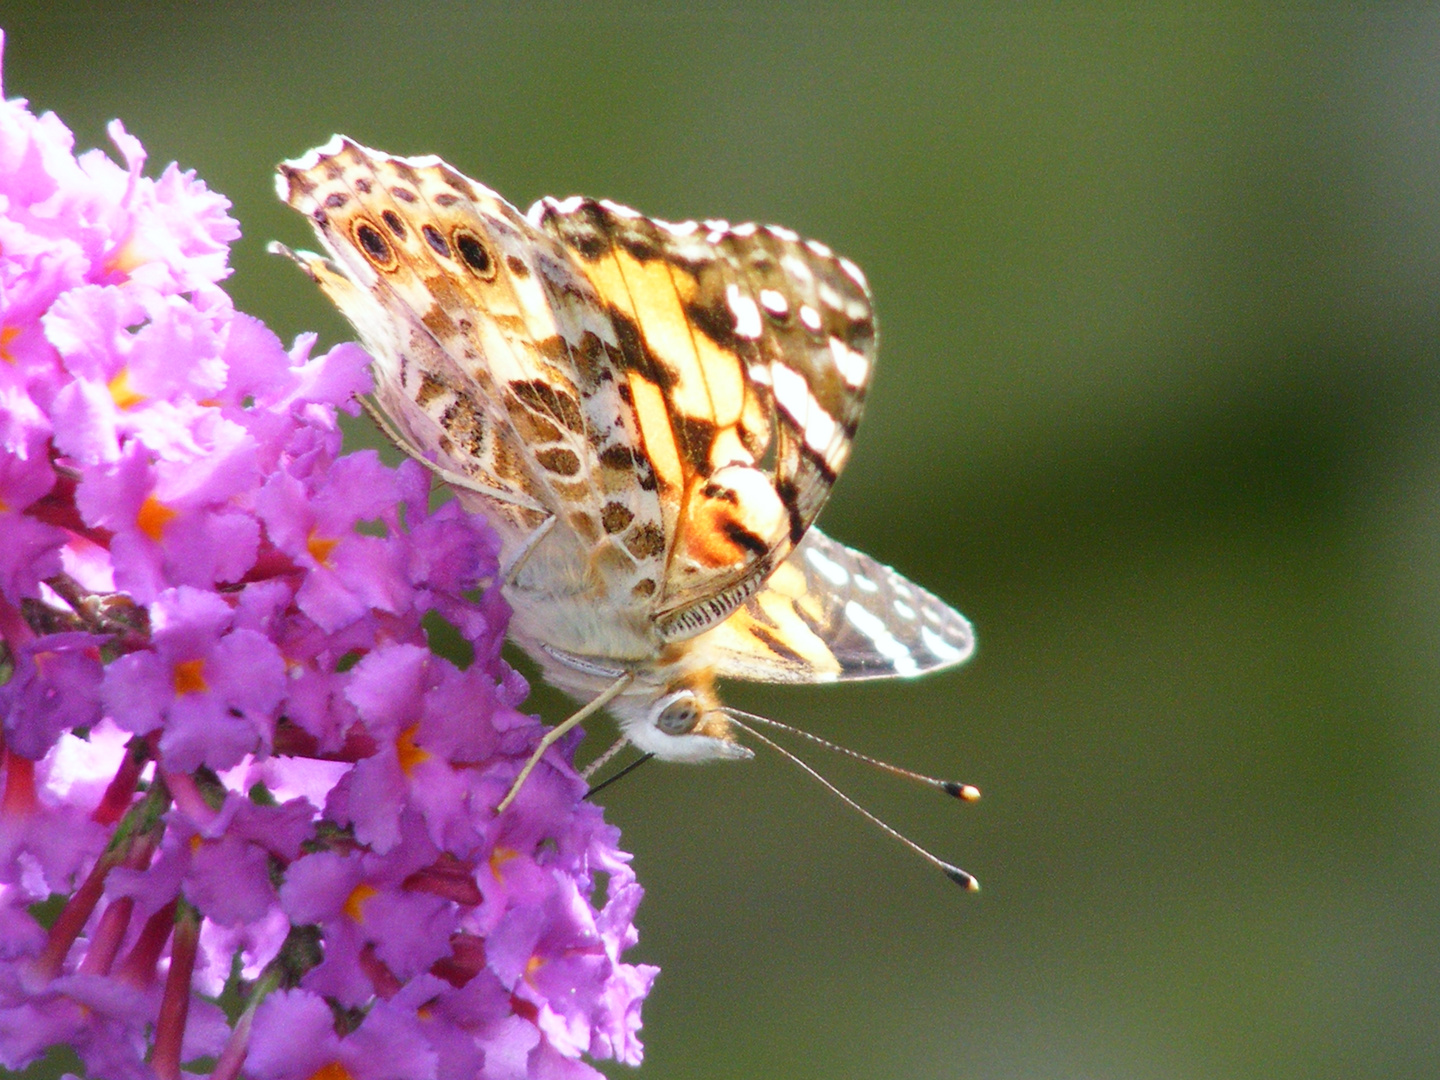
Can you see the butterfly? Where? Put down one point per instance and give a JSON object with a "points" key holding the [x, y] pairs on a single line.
{"points": [[650, 414]]}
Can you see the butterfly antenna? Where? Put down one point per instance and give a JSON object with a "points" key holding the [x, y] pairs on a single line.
{"points": [[963, 792], [950, 870], [626, 771]]}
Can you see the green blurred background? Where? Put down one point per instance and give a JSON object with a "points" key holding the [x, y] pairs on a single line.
{"points": [[1158, 407]]}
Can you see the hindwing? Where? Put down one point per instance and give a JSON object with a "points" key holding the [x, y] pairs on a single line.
{"points": [[831, 613], [746, 352]]}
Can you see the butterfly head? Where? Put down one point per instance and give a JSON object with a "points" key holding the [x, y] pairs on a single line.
{"points": [[683, 723]]}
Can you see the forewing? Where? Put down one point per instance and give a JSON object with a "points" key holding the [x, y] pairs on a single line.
{"points": [[831, 613], [494, 350], [746, 352]]}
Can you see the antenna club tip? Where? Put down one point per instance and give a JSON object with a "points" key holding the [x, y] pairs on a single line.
{"points": [[966, 881], [963, 792]]}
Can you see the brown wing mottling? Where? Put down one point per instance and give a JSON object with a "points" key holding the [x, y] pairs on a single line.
{"points": [[747, 352], [506, 360]]}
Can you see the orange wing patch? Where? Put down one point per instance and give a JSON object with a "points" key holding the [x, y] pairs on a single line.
{"points": [[655, 430], [769, 630], [737, 331]]}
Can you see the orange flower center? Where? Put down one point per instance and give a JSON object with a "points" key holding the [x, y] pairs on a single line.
{"points": [[125, 258], [320, 548], [190, 677], [124, 395], [355, 902], [153, 517], [499, 856], [410, 755], [7, 335]]}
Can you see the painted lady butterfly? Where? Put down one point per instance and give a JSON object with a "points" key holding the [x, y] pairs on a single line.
{"points": [[651, 415]]}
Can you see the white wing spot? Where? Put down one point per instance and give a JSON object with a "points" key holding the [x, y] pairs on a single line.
{"points": [[793, 395], [759, 373], [774, 302], [829, 297], [566, 206], [748, 229], [864, 584], [904, 610], [684, 228], [791, 392], [853, 366], [932, 616], [796, 268], [820, 429], [940, 648], [819, 249], [810, 317], [747, 315], [827, 567], [853, 272], [311, 158], [886, 643], [619, 210], [782, 233]]}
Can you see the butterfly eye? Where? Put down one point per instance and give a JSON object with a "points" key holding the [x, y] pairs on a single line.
{"points": [[680, 716]]}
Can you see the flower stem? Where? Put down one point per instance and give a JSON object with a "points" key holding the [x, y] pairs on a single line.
{"points": [[19, 797], [121, 790], [105, 942], [299, 953], [175, 1005], [228, 1064], [72, 919], [14, 630], [140, 827], [138, 968]]}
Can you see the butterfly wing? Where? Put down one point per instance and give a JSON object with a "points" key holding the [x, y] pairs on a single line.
{"points": [[419, 384], [746, 352], [493, 350], [830, 613]]}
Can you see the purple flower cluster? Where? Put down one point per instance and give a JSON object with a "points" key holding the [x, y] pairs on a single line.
{"points": [[248, 816]]}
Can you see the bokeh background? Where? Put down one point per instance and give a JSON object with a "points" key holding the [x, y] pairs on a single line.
{"points": [[1158, 407]]}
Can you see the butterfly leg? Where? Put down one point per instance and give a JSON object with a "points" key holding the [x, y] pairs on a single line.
{"points": [[509, 573], [558, 732], [454, 479]]}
